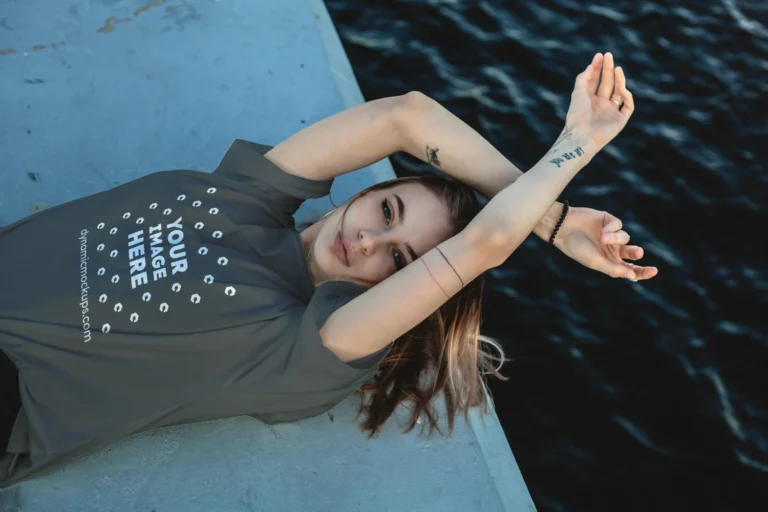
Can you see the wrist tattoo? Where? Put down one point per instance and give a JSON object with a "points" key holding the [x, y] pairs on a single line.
{"points": [[432, 156], [568, 155]]}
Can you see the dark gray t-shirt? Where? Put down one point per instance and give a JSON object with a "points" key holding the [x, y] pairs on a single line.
{"points": [[179, 297]]}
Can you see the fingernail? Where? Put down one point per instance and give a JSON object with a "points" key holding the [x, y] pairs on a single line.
{"points": [[632, 276]]}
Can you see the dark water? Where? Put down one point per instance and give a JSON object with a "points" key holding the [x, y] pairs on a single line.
{"points": [[623, 396]]}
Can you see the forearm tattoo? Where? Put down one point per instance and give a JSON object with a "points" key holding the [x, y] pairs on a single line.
{"points": [[567, 155], [432, 156]]}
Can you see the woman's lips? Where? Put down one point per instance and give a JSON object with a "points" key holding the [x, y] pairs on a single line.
{"points": [[339, 248]]}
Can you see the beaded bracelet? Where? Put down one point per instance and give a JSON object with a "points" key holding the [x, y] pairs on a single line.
{"points": [[559, 223]]}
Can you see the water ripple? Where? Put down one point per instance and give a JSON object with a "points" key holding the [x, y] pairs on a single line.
{"points": [[726, 408], [639, 435]]}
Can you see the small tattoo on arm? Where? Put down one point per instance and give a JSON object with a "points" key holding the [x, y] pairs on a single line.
{"points": [[568, 155], [432, 156]]}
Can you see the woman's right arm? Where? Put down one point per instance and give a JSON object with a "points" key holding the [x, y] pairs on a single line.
{"points": [[385, 312]]}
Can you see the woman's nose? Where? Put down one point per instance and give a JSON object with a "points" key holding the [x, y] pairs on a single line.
{"points": [[370, 240]]}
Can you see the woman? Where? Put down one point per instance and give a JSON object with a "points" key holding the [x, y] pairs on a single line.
{"points": [[186, 296]]}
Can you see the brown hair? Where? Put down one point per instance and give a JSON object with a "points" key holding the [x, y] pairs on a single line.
{"points": [[445, 352]]}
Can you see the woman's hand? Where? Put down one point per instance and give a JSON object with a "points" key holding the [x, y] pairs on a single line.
{"points": [[595, 239], [600, 103]]}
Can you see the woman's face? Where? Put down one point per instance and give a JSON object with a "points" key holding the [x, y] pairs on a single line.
{"points": [[383, 231]]}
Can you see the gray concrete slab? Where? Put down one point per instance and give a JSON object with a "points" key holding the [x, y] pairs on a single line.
{"points": [[97, 93]]}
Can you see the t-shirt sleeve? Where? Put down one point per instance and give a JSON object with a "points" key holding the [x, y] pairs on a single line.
{"points": [[312, 359], [278, 192]]}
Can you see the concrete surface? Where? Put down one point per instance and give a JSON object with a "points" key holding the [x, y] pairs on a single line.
{"points": [[97, 93]]}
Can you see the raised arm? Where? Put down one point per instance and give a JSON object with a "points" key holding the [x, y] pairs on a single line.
{"points": [[364, 134], [400, 302], [436, 136]]}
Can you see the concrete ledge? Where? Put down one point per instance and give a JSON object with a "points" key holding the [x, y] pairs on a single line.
{"points": [[91, 103]]}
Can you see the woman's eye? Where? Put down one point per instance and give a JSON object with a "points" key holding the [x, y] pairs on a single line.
{"points": [[387, 211], [399, 264]]}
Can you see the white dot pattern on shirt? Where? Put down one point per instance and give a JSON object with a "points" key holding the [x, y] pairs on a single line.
{"points": [[164, 307]]}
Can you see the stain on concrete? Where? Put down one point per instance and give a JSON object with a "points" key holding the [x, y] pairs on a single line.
{"points": [[149, 76], [4, 23], [35, 81], [149, 6], [38, 47], [109, 25], [7, 51], [34, 177], [38, 207], [29, 132], [181, 14]]}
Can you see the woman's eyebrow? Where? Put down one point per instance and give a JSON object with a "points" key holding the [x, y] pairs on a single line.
{"points": [[401, 216]]}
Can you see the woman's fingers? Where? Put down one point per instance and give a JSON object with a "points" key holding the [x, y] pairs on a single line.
{"points": [[642, 273], [618, 237], [616, 270], [612, 224], [622, 91], [607, 78], [631, 252], [594, 79]]}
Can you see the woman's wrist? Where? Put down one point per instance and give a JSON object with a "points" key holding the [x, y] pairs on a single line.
{"points": [[547, 224]]}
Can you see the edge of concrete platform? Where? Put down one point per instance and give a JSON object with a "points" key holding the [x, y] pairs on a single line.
{"points": [[344, 76], [493, 444]]}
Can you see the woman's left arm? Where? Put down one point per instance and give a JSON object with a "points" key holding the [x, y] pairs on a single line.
{"points": [[476, 163], [593, 238]]}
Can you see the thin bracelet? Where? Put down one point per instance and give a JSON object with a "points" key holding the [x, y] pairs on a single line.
{"points": [[449, 263], [559, 223], [433, 277]]}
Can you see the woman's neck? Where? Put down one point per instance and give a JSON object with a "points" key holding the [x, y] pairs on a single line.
{"points": [[308, 239]]}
